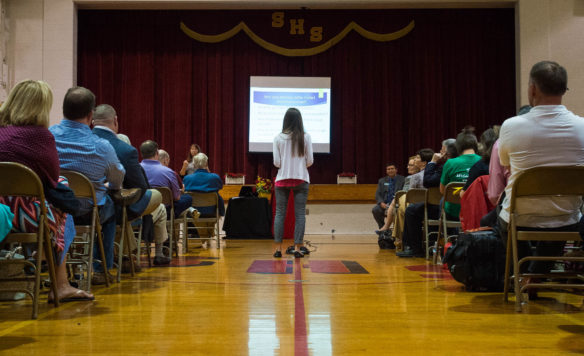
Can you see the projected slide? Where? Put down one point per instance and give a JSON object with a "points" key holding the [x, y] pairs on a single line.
{"points": [[270, 97]]}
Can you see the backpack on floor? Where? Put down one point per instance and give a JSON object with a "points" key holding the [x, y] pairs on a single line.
{"points": [[386, 242], [477, 260]]}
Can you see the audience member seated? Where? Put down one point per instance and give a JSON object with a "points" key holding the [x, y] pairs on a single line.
{"points": [[415, 181], [161, 176], [204, 181], [481, 167], [414, 214], [81, 151], [105, 123], [24, 138], [549, 135], [188, 167], [386, 189], [457, 169], [164, 159], [474, 203]]}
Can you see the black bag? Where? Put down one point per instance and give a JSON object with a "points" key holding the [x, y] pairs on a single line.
{"points": [[385, 241], [62, 198], [477, 260]]}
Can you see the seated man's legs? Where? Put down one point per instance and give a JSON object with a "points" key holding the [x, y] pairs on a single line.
{"points": [[145, 206], [412, 235], [379, 215], [182, 204], [160, 234]]}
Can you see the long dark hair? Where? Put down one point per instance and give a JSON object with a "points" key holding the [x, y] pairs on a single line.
{"points": [[488, 139], [189, 155], [294, 127]]}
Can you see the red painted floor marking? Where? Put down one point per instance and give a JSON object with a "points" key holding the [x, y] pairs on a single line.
{"points": [[328, 267], [300, 333], [270, 266]]}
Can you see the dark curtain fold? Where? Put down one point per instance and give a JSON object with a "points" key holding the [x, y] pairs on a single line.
{"points": [[456, 67]]}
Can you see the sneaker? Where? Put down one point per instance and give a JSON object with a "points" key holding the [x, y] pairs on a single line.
{"points": [[278, 254], [298, 254], [408, 252], [161, 260], [304, 250], [193, 213], [98, 278], [290, 250], [127, 268]]}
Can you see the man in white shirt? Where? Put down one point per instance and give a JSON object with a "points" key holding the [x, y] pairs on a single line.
{"points": [[540, 138]]}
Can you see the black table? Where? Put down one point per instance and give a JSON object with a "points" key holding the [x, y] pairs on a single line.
{"points": [[248, 218]]}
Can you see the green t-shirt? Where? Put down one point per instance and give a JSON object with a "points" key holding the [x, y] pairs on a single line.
{"points": [[456, 170]]}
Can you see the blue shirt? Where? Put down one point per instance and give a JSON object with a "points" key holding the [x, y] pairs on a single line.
{"points": [[161, 176], [81, 151], [202, 181]]}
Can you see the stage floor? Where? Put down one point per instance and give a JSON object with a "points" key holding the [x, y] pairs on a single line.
{"points": [[347, 298]]}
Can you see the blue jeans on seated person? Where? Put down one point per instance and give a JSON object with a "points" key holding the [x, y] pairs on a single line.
{"points": [[180, 205], [300, 197], [107, 218]]}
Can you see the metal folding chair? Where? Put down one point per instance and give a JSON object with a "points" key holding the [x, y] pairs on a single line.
{"points": [[125, 236], [81, 250], [203, 200], [541, 182], [451, 195], [168, 201], [433, 197], [19, 180]]}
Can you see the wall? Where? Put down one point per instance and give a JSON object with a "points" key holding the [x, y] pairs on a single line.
{"points": [[551, 29], [42, 45]]}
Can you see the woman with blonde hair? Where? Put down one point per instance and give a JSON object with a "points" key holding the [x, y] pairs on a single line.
{"points": [[292, 155], [25, 139]]}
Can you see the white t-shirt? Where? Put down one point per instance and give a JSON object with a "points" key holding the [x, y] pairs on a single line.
{"points": [[549, 135], [292, 167]]}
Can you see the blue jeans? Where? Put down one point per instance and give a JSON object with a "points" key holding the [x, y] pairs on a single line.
{"points": [[300, 197], [180, 205]]}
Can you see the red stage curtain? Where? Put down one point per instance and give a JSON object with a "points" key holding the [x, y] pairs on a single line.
{"points": [[389, 99]]}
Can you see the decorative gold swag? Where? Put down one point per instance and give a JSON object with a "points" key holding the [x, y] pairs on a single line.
{"points": [[298, 52]]}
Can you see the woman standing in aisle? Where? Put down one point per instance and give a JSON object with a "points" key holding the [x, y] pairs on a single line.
{"points": [[292, 156]]}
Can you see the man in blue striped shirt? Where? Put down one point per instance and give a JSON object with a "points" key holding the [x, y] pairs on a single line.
{"points": [[81, 151]]}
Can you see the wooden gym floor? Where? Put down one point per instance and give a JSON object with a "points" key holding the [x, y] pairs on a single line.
{"points": [[346, 298]]}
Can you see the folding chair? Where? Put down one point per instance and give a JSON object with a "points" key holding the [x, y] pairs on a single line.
{"points": [[451, 195], [168, 200], [19, 180], [412, 196], [127, 200], [433, 197], [204, 200], [541, 182], [81, 250], [415, 195], [397, 197]]}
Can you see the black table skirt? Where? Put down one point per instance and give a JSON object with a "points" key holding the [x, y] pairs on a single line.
{"points": [[248, 218]]}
